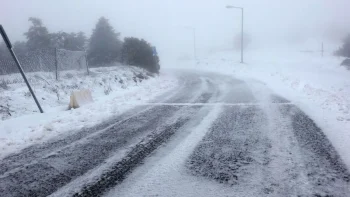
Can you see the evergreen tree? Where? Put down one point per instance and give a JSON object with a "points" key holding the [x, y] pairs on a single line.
{"points": [[57, 39], [79, 41], [104, 46], [139, 53], [37, 35], [72, 41]]}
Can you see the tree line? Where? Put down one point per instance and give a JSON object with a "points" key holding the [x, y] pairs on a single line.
{"points": [[103, 48]]}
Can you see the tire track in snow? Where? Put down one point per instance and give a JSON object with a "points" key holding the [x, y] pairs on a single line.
{"points": [[164, 174], [269, 152], [283, 172], [210, 93], [324, 168], [302, 161], [188, 91], [233, 151], [43, 176], [266, 150], [51, 167], [11, 162]]}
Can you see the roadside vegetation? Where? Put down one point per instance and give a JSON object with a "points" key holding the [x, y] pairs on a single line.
{"points": [[344, 51], [104, 47]]}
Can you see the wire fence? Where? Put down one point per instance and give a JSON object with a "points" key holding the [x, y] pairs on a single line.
{"points": [[48, 60]]}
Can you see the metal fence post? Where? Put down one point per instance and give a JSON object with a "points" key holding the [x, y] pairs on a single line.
{"points": [[9, 46], [87, 64]]}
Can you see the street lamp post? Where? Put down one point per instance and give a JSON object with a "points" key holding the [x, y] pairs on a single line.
{"points": [[194, 41], [233, 7]]}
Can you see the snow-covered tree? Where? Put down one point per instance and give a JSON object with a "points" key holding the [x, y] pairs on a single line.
{"points": [[68, 41], [37, 35], [104, 46]]}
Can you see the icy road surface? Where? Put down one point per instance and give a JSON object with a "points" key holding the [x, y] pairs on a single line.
{"points": [[214, 136]]}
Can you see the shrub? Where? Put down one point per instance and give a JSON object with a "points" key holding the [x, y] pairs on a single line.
{"points": [[27, 94], [4, 85], [69, 76], [139, 53], [107, 90], [345, 49]]}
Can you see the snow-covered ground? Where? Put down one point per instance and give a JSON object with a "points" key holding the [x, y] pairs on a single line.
{"points": [[114, 90], [318, 85]]}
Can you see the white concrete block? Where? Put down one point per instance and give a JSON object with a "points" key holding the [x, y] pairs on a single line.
{"points": [[80, 98]]}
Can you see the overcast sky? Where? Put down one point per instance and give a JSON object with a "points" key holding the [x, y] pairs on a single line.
{"points": [[161, 22]]}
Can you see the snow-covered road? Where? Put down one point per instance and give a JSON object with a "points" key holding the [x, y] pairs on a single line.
{"points": [[214, 136], [263, 146]]}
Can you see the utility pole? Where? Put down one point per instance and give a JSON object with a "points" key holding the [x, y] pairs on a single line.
{"points": [[9, 46], [242, 36]]}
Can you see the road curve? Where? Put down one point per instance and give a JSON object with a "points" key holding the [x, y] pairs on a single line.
{"points": [[251, 142], [213, 136], [42, 169]]}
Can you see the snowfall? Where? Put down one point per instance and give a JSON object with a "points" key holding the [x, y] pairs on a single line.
{"points": [[316, 84]]}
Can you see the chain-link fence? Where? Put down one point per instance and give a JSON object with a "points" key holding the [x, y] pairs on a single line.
{"points": [[48, 60], [70, 61]]}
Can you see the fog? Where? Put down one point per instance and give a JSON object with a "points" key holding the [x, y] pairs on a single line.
{"points": [[268, 23]]}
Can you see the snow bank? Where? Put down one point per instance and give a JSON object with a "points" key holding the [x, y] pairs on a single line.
{"points": [[114, 90], [316, 84]]}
